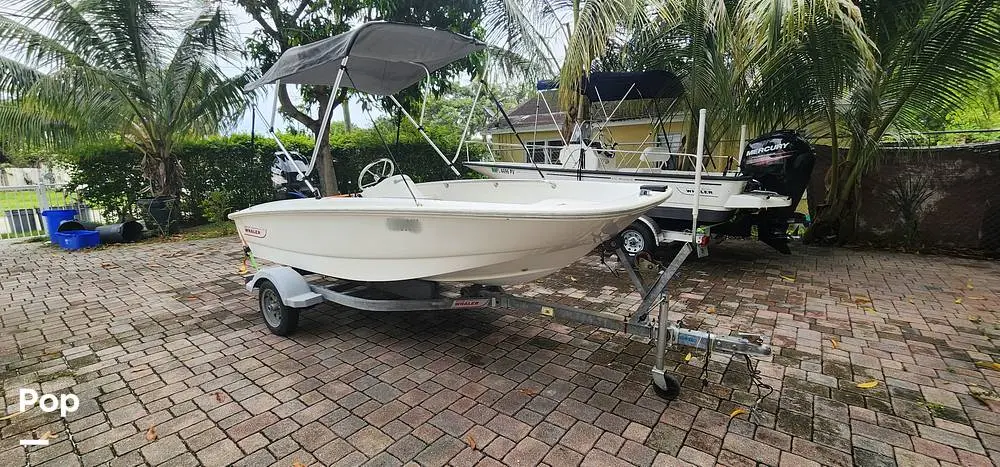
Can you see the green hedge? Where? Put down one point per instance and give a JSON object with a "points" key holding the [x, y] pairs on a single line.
{"points": [[108, 175]]}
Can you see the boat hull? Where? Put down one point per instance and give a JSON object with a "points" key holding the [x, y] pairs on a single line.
{"points": [[716, 189], [379, 239]]}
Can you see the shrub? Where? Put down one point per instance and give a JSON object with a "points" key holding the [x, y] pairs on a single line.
{"points": [[217, 205], [109, 177]]}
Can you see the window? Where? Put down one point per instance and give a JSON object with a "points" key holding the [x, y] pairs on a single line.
{"points": [[672, 142], [544, 152]]}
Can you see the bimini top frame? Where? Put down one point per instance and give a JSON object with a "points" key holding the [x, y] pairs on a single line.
{"points": [[384, 58]]}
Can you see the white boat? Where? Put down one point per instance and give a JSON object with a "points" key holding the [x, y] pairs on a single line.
{"points": [[489, 232], [721, 194], [761, 189], [480, 231]]}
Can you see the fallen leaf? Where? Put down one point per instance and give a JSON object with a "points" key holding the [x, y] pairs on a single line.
{"points": [[151, 433], [989, 365], [975, 319], [958, 300], [687, 358], [861, 300], [528, 392], [909, 299], [968, 284], [988, 397], [219, 397], [869, 310], [833, 344], [48, 435], [710, 310], [789, 279], [868, 385], [737, 412], [296, 463], [109, 265], [471, 442], [572, 278]]}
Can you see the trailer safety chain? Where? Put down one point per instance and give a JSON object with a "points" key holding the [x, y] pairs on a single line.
{"points": [[759, 384], [604, 261], [756, 381]]}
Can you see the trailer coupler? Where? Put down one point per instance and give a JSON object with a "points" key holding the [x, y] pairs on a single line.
{"points": [[747, 345]]}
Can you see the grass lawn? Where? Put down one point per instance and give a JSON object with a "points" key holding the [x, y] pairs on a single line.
{"points": [[29, 199]]}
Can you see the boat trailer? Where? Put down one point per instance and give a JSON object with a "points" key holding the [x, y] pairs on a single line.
{"points": [[651, 320], [284, 292]]}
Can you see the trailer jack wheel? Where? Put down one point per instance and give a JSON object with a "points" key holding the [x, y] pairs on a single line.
{"points": [[666, 386], [279, 318]]}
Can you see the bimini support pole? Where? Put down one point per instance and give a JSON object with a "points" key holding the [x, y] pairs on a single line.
{"points": [[468, 121], [423, 133], [743, 144], [697, 175], [553, 116], [326, 115]]}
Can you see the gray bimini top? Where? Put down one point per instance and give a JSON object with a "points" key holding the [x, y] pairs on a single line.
{"points": [[382, 58]]}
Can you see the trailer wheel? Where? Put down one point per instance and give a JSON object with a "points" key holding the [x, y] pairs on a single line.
{"points": [[279, 318], [672, 390], [636, 239]]}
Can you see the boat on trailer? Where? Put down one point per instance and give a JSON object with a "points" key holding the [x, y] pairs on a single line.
{"points": [[389, 247], [407, 237], [761, 188]]}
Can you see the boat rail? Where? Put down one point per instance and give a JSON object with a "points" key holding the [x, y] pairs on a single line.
{"points": [[623, 158]]}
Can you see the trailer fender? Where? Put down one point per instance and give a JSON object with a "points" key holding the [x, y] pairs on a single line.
{"points": [[653, 227], [293, 288]]}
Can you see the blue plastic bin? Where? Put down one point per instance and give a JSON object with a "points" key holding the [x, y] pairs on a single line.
{"points": [[54, 217], [76, 239]]}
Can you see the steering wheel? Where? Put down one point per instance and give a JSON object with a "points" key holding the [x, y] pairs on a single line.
{"points": [[376, 171]]}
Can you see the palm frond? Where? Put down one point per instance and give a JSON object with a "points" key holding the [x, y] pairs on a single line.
{"points": [[597, 23], [525, 28]]}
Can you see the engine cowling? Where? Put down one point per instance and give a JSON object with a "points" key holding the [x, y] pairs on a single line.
{"points": [[781, 161]]}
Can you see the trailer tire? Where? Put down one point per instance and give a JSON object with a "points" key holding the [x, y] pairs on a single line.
{"points": [[636, 239], [672, 390], [279, 318]]}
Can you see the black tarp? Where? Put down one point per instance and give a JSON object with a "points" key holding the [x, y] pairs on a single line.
{"points": [[613, 86], [384, 58]]}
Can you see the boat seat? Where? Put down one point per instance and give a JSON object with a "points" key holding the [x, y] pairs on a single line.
{"points": [[656, 156]]}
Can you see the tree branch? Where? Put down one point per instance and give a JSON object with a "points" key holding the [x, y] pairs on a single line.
{"points": [[289, 109], [298, 11], [269, 30]]}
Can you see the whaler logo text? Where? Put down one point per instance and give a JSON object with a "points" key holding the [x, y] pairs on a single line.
{"points": [[255, 232]]}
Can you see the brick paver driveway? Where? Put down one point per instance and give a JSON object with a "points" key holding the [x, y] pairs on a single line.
{"points": [[173, 366]]}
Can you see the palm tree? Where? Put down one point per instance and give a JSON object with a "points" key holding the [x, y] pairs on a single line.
{"points": [[88, 70], [932, 56], [731, 56], [847, 71]]}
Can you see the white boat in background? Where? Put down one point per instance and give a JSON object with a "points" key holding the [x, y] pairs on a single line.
{"points": [[488, 232], [721, 194], [759, 189]]}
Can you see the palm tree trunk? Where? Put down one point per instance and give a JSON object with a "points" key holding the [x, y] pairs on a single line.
{"points": [[833, 191]]}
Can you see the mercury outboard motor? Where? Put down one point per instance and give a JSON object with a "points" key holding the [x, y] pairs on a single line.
{"points": [[286, 179], [782, 162]]}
